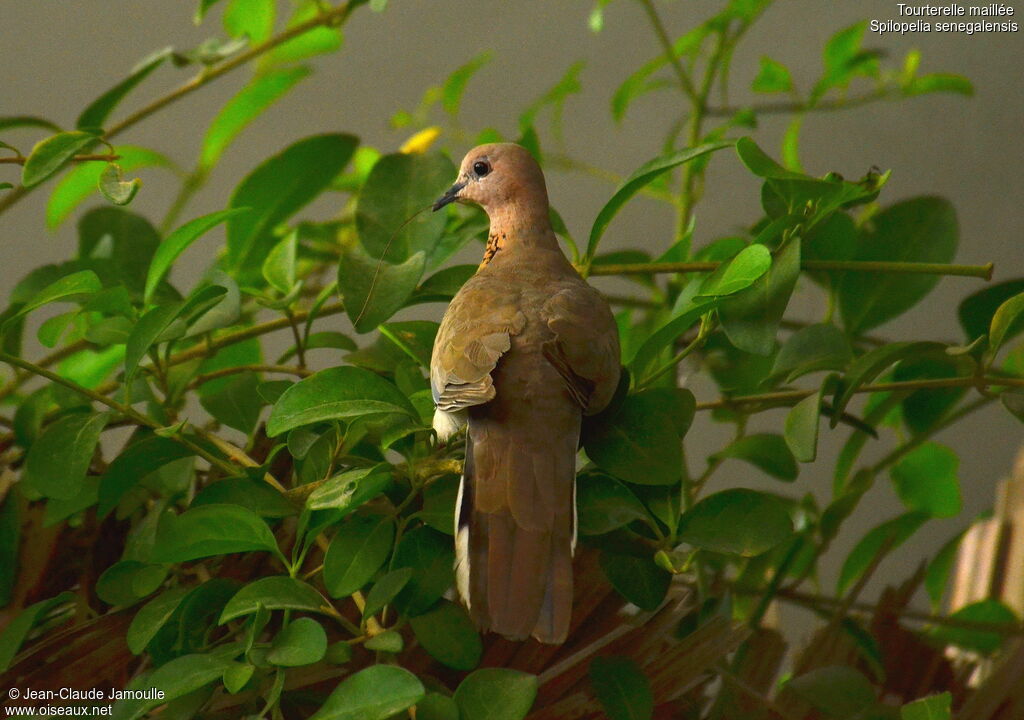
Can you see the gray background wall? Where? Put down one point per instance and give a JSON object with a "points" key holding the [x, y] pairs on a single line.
{"points": [[57, 56]]}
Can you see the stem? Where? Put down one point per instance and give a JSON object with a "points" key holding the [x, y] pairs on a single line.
{"points": [[125, 410], [209, 347], [790, 108], [666, 44], [20, 160], [651, 268], [788, 396], [333, 17], [817, 601], [702, 334], [234, 370]]}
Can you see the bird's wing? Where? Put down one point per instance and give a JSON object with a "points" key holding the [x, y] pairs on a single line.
{"points": [[475, 332], [585, 349]]}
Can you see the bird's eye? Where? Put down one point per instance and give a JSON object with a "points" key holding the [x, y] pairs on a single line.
{"points": [[481, 168]]}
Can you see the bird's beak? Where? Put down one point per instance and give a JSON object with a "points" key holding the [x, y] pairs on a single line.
{"points": [[450, 196]]}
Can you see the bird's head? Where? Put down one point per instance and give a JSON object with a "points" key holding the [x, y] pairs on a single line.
{"points": [[498, 177]]}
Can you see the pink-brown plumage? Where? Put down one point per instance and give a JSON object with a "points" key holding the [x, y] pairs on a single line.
{"points": [[525, 349]]}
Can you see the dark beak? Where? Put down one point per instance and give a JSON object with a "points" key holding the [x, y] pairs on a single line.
{"points": [[450, 196]]}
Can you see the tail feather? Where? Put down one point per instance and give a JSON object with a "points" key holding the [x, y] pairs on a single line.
{"points": [[515, 527]]}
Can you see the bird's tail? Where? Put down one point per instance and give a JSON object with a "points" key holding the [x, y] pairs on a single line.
{"points": [[515, 527]]}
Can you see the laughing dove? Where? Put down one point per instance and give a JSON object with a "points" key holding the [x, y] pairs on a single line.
{"points": [[525, 349]]}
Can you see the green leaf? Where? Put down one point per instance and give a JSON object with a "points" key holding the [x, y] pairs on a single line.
{"points": [[455, 86], [97, 112], [622, 688], [766, 451], [81, 181], [881, 540], [237, 676], [1013, 401], [389, 641], [256, 495], [937, 576], [151, 617], [302, 642], [115, 188], [447, 633], [373, 289], [760, 164], [553, 97], [637, 579], [151, 327], [75, 287], [985, 642], [439, 504], [1007, 320], [738, 273], [211, 530], [385, 590], [14, 634], [278, 592], [933, 707], [175, 678], [349, 490], [431, 555], [176, 243], [128, 581], [335, 393], [138, 460], [251, 18], [640, 441], [737, 521], [58, 461], [773, 77], [918, 230], [316, 41], [11, 122], [976, 310], [939, 83], [398, 187], [811, 349], [306, 168], [836, 690], [496, 694], [751, 317], [926, 480], [374, 693], [237, 404], [50, 155], [604, 504], [265, 89], [871, 364], [119, 246], [357, 552], [641, 177], [279, 267], [201, 10], [640, 82], [801, 428], [436, 706]]}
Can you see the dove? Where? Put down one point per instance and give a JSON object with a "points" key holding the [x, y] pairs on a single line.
{"points": [[525, 349]]}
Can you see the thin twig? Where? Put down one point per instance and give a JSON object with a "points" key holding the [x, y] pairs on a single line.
{"points": [[651, 268], [20, 160], [787, 396], [670, 54], [335, 16]]}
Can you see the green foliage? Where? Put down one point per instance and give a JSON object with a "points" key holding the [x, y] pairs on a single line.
{"points": [[266, 515], [622, 688]]}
